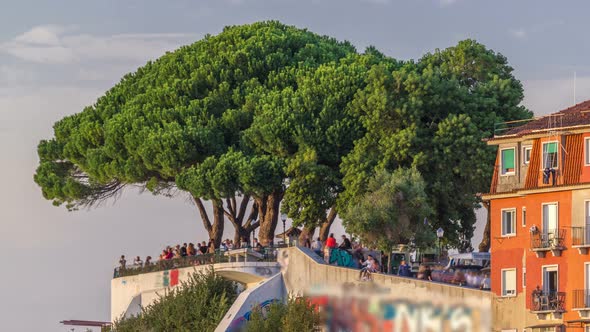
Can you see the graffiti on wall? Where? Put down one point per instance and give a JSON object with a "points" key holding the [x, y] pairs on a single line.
{"points": [[238, 323], [168, 278], [373, 312], [341, 257]]}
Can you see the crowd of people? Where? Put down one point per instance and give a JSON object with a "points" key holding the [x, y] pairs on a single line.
{"points": [[366, 259], [191, 250]]}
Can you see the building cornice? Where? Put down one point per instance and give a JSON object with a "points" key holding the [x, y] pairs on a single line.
{"points": [[579, 129], [523, 192]]}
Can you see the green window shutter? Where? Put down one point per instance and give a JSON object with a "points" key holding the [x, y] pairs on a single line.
{"points": [[508, 159]]}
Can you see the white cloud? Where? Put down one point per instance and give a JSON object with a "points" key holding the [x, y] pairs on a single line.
{"points": [[447, 2], [52, 44], [379, 2], [519, 33]]}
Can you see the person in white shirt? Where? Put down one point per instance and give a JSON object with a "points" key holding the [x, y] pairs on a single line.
{"points": [[137, 262], [317, 246]]}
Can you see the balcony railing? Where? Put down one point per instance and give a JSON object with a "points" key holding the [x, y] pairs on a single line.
{"points": [[547, 301], [548, 240], [581, 236], [581, 298]]}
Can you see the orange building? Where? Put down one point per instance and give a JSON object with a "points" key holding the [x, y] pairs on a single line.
{"points": [[540, 224]]}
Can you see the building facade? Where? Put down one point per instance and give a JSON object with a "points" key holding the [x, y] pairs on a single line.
{"points": [[540, 223]]}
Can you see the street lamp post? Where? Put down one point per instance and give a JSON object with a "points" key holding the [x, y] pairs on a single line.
{"points": [[439, 234], [284, 219]]}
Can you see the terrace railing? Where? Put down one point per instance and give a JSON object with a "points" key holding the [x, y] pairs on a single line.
{"points": [[268, 255]]}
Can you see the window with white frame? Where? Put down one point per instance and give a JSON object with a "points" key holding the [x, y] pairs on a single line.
{"points": [[587, 151], [526, 154], [509, 282], [550, 155], [523, 219], [507, 161], [508, 222]]}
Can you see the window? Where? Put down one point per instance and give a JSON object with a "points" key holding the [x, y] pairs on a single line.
{"points": [[508, 222], [550, 279], [523, 216], [509, 282], [550, 218], [526, 154], [550, 155], [507, 161], [587, 151]]}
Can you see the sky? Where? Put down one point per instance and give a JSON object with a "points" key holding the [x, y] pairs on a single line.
{"points": [[57, 57]]}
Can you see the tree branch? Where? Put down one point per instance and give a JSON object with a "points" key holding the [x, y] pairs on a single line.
{"points": [[243, 206], [203, 212]]}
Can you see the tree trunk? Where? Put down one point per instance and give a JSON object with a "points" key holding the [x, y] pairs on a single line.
{"points": [[215, 229], [236, 216], [268, 212], [484, 246], [307, 232], [326, 224]]}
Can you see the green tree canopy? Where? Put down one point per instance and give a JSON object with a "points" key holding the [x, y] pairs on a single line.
{"points": [[391, 211], [433, 114], [159, 125]]}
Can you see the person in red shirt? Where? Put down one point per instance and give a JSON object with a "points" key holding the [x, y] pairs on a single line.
{"points": [[331, 241]]}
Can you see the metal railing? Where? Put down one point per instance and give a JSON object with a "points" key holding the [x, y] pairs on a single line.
{"points": [[548, 301], [581, 298], [580, 236], [268, 255], [548, 239]]}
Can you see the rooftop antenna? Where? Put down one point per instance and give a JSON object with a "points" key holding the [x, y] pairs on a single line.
{"points": [[574, 88]]}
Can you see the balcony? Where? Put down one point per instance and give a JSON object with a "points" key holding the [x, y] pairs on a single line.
{"points": [[551, 240], [581, 302], [581, 239], [546, 303]]}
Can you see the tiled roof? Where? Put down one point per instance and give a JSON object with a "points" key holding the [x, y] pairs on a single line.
{"points": [[576, 115]]}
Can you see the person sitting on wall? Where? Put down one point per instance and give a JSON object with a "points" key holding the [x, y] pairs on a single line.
{"points": [[486, 283], [345, 243], [404, 270], [316, 246]]}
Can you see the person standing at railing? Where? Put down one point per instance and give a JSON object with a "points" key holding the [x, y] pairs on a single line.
{"points": [[203, 248], [256, 245], [183, 251], [148, 261], [137, 262], [191, 250], [169, 254], [122, 262]]}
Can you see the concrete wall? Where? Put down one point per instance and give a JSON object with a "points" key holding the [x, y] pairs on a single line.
{"points": [[130, 293], [305, 274], [262, 295]]}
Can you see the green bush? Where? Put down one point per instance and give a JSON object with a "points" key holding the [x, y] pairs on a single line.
{"points": [[198, 304]]}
